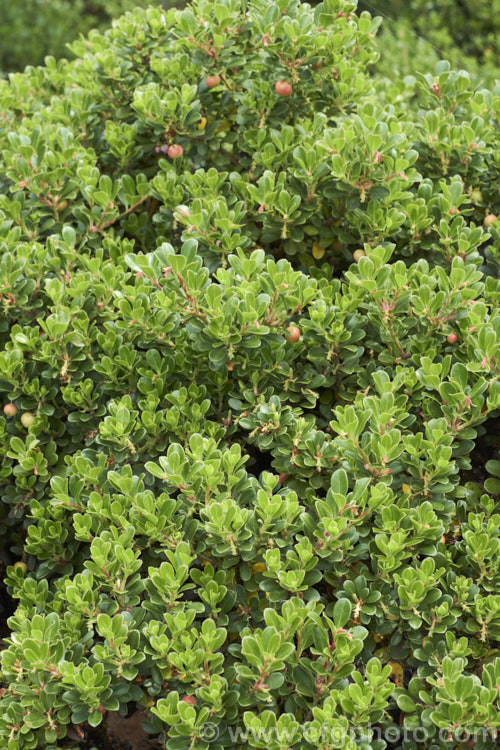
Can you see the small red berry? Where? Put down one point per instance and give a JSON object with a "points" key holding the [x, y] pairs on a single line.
{"points": [[282, 478], [283, 88], [212, 81], [175, 151], [293, 334], [490, 220], [452, 338], [10, 410], [190, 699]]}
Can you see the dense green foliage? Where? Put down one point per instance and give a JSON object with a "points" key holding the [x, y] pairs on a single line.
{"points": [[236, 464], [32, 29]]}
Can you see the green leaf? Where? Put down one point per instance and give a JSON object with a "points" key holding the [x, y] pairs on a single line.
{"points": [[406, 704], [342, 612]]}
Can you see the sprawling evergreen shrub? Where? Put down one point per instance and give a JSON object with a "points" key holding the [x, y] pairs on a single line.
{"points": [[249, 342], [32, 29]]}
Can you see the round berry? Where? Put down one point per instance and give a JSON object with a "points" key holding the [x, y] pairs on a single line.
{"points": [[476, 196], [20, 566], [452, 338], [10, 410], [283, 88], [358, 254], [27, 419], [490, 220], [175, 151], [212, 81], [190, 699], [62, 206], [293, 334]]}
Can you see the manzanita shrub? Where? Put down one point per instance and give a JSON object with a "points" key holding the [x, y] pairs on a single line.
{"points": [[249, 338]]}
